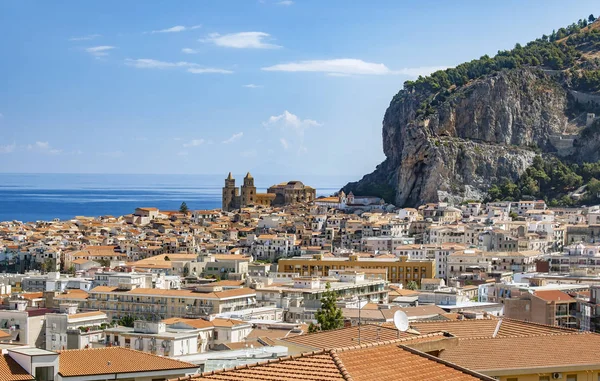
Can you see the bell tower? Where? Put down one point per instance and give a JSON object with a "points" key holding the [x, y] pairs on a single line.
{"points": [[248, 191], [230, 193]]}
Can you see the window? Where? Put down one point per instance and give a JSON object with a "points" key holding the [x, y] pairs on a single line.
{"points": [[44, 373], [571, 377]]}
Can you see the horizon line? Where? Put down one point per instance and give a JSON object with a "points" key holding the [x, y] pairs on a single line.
{"points": [[164, 174]]}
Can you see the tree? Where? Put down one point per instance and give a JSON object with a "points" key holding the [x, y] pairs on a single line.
{"points": [[71, 270], [591, 18], [127, 321], [593, 187], [329, 316], [183, 208], [167, 258], [412, 285], [513, 215]]}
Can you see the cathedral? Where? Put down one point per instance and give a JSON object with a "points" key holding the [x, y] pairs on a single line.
{"points": [[277, 195]]}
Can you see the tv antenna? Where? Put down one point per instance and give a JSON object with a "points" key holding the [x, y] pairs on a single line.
{"points": [[401, 322]]}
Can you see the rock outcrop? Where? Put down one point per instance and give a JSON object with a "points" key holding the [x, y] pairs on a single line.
{"points": [[485, 131]]}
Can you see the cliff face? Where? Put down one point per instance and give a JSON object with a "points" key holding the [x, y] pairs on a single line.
{"points": [[483, 132]]}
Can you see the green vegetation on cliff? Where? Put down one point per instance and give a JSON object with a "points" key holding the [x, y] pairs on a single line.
{"points": [[551, 180], [547, 51]]}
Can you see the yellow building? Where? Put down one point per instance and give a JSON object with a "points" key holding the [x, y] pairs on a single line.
{"points": [[399, 270]]}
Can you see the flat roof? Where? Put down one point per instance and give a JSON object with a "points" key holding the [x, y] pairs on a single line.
{"points": [[33, 351]]}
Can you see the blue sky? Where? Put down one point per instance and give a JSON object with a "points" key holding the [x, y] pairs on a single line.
{"points": [[274, 87]]}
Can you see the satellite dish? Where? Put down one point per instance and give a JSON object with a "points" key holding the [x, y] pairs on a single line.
{"points": [[401, 321]]}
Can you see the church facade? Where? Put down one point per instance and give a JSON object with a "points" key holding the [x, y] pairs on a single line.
{"points": [[277, 195]]}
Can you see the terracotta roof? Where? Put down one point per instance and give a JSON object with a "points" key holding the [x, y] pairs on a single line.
{"points": [[32, 295], [470, 328], [11, 371], [97, 314], [195, 323], [567, 349], [554, 296], [346, 337], [388, 360], [218, 322], [73, 294], [82, 362]]}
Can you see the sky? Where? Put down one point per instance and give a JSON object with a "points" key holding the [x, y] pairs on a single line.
{"points": [[207, 87]]}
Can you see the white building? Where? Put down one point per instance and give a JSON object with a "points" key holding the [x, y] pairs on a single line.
{"points": [[72, 330]]}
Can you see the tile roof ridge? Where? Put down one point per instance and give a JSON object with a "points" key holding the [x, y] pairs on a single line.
{"points": [[316, 332], [259, 363], [446, 363], [541, 324], [387, 342], [523, 336], [429, 321], [113, 348], [340, 365]]}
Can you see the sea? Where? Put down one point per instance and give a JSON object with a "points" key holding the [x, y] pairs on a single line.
{"points": [[44, 197]]}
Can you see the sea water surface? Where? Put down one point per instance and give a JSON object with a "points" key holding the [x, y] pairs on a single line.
{"points": [[35, 197]]}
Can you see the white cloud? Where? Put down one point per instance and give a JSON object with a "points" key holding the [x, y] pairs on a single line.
{"points": [[148, 63], [182, 153], [292, 129], [252, 86], [177, 29], [99, 51], [233, 138], [339, 66], [208, 70], [242, 40], [287, 120], [189, 51], [43, 147], [1, 115], [348, 66], [285, 2], [85, 38], [8, 148], [194, 143]]}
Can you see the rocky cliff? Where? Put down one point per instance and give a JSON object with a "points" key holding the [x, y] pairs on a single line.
{"points": [[479, 133]]}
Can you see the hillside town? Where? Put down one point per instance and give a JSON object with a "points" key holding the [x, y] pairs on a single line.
{"points": [[193, 292]]}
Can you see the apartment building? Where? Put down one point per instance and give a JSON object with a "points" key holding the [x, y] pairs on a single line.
{"points": [[154, 303], [399, 270], [472, 259], [575, 257], [301, 298], [272, 246], [72, 330], [550, 307]]}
